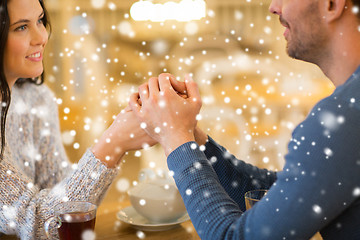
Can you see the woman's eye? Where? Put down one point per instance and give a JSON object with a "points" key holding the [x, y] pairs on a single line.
{"points": [[21, 28], [41, 21]]}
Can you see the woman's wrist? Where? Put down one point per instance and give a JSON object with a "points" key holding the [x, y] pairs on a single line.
{"points": [[108, 152]]}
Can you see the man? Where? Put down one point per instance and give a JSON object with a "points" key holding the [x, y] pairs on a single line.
{"points": [[319, 187]]}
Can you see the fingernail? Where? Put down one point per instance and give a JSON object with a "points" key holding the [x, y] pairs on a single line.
{"points": [[172, 78]]}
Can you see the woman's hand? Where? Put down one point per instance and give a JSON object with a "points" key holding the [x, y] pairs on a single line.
{"points": [[167, 117], [124, 134]]}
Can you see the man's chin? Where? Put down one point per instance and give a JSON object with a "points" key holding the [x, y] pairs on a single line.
{"points": [[292, 53], [289, 52]]}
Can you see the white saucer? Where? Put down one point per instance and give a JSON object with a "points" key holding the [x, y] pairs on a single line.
{"points": [[130, 216]]}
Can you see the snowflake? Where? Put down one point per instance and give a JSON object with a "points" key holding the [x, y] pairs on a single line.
{"points": [[140, 234], [213, 159], [137, 154], [9, 212], [317, 209], [328, 152], [330, 121], [157, 130], [88, 235], [12, 224], [206, 193], [20, 107], [356, 192], [355, 10], [197, 165], [188, 192], [122, 185], [32, 152], [143, 125]]}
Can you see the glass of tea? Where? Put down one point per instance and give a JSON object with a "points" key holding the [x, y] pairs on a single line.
{"points": [[252, 197], [72, 219]]}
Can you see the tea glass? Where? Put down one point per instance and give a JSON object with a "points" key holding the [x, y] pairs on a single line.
{"points": [[72, 219], [252, 197]]}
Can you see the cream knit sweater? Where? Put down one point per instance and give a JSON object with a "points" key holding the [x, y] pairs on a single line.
{"points": [[35, 173]]}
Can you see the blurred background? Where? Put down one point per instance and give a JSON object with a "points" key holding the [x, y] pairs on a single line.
{"points": [[253, 94]]}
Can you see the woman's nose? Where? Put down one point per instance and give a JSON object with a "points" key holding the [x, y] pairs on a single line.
{"points": [[39, 36], [275, 7]]}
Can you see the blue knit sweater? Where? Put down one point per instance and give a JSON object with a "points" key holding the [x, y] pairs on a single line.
{"points": [[317, 190]]}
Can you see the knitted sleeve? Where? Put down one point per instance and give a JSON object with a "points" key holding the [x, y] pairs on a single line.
{"points": [[25, 207], [27, 202]]}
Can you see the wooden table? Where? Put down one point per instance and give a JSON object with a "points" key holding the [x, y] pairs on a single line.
{"points": [[109, 227]]}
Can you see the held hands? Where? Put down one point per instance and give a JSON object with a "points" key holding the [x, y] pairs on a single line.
{"points": [[168, 110], [163, 111]]}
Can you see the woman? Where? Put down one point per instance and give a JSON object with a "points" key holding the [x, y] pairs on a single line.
{"points": [[35, 173]]}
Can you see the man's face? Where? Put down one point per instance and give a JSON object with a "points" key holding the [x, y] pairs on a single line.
{"points": [[304, 32]]}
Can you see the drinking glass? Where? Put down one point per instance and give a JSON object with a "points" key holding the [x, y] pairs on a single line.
{"points": [[72, 219], [252, 197]]}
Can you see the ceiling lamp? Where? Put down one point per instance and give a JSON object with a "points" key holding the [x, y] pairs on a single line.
{"points": [[182, 11]]}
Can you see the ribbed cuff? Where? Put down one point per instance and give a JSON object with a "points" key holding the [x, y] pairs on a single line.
{"points": [[185, 155]]}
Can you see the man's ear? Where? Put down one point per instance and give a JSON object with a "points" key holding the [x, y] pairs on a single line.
{"points": [[333, 9]]}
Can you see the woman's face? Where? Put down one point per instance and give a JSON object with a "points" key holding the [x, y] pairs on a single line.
{"points": [[26, 40]]}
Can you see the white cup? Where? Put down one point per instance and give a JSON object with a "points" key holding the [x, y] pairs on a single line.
{"points": [[157, 199]]}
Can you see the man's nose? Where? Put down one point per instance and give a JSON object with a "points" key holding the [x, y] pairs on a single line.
{"points": [[275, 7]]}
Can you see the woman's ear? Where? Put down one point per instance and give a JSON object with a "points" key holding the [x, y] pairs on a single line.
{"points": [[334, 9]]}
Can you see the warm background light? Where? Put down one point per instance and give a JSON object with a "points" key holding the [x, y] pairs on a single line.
{"points": [[183, 11], [254, 94]]}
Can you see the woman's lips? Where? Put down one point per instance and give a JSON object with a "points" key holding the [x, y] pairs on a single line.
{"points": [[35, 57]]}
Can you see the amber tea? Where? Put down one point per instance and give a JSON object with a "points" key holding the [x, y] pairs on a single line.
{"points": [[73, 225], [72, 219]]}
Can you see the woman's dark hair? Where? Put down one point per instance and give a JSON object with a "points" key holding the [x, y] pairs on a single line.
{"points": [[5, 90]]}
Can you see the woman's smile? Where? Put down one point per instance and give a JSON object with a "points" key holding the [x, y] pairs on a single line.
{"points": [[35, 57]]}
